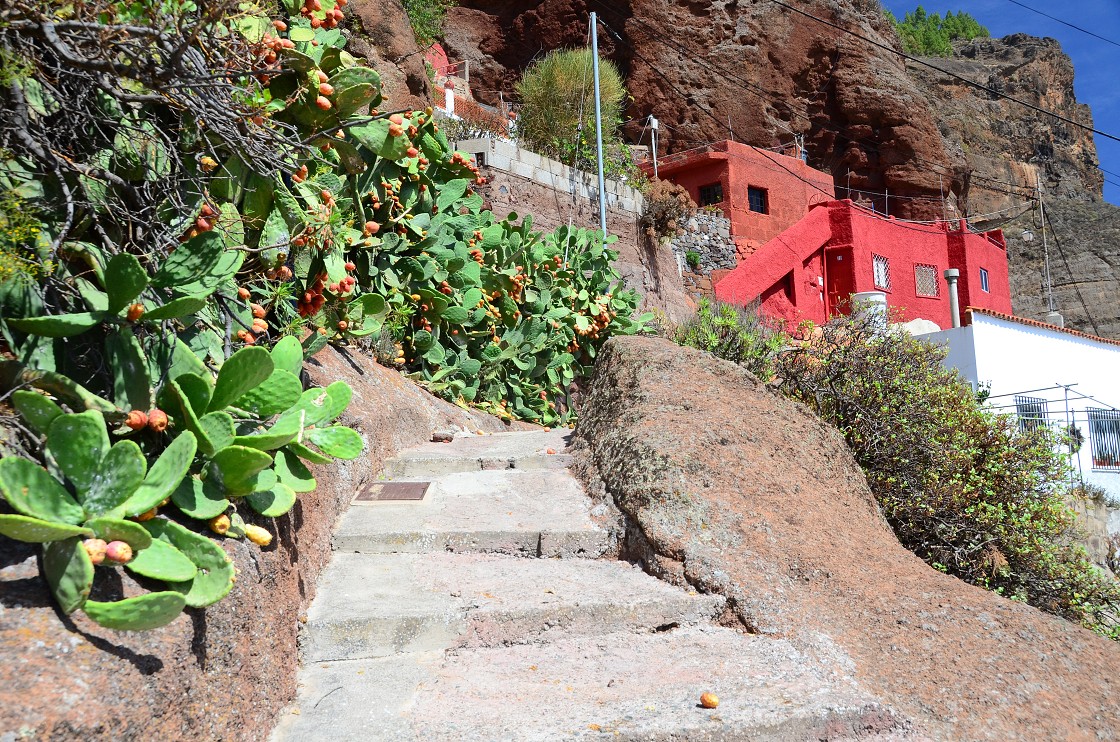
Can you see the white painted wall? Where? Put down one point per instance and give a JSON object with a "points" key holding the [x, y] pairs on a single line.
{"points": [[1016, 358]]}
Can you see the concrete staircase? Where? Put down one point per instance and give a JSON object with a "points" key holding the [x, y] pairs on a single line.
{"points": [[481, 612]]}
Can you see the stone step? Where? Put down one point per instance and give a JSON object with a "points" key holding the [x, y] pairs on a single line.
{"points": [[624, 686], [376, 605], [522, 450], [528, 513]]}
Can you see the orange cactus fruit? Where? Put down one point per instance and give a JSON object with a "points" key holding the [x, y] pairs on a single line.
{"points": [[284, 273], [258, 310], [157, 420], [135, 312], [709, 700], [395, 130], [323, 103], [136, 420], [95, 547], [280, 25], [326, 88], [220, 524], [343, 324], [147, 515]]}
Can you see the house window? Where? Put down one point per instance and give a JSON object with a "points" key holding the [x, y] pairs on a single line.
{"points": [[984, 280], [711, 194], [882, 268], [1031, 412], [757, 200], [1104, 436], [925, 281]]}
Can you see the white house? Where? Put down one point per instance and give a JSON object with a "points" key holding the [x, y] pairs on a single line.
{"points": [[1047, 375]]}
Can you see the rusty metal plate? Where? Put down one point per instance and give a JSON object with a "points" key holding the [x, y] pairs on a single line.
{"points": [[392, 491]]}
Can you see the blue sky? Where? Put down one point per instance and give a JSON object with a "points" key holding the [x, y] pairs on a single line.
{"points": [[1095, 61]]}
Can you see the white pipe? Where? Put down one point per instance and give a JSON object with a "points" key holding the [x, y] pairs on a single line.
{"points": [[952, 276]]}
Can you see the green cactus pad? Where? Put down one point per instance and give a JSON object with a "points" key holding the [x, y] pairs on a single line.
{"points": [[112, 529], [79, 443], [202, 500], [292, 472], [218, 428], [69, 572], [241, 372], [120, 474], [162, 561], [175, 308], [164, 476], [274, 502], [277, 393], [198, 391], [283, 432], [58, 325], [186, 415], [131, 386], [337, 441], [34, 530], [36, 409], [125, 278], [287, 355], [215, 570], [142, 613], [190, 260], [31, 491], [235, 468], [307, 454]]}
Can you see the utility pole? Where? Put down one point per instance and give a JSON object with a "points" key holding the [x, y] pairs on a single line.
{"points": [[598, 124], [1051, 310], [653, 125]]}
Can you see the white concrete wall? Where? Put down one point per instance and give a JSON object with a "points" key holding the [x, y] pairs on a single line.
{"points": [[1016, 358]]}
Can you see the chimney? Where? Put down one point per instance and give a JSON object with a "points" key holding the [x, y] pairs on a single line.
{"points": [[951, 276], [449, 98]]}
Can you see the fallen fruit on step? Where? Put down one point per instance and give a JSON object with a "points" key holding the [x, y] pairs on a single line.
{"points": [[709, 700], [118, 552], [95, 547]]}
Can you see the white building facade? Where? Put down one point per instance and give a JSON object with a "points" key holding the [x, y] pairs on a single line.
{"points": [[1047, 375]]}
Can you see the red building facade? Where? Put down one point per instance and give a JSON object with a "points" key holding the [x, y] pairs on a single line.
{"points": [[802, 254]]}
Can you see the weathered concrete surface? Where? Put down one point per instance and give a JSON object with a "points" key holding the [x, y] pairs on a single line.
{"points": [[535, 513], [733, 489], [467, 453], [373, 606], [214, 674], [625, 686]]}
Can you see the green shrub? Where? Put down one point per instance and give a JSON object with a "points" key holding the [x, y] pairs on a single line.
{"points": [[735, 334], [426, 17], [931, 35], [962, 487], [693, 259]]}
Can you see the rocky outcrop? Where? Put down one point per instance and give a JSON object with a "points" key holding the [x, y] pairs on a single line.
{"points": [[732, 489], [216, 674], [1004, 147], [382, 35]]}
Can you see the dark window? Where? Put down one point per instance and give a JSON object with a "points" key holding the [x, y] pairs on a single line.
{"points": [[756, 197], [480, 159], [1104, 435], [984, 280], [1031, 412], [711, 194]]}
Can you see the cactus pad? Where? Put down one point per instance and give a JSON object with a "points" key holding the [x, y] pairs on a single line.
{"points": [[215, 570], [162, 561], [79, 443], [164, 476], [241, 372], [142, 613], [202, 500], [121, 473], [34, 530], [235, 468], [111, 529], [69, 572], [274, 502], [31, 491], [337, 441], [37, 410]]}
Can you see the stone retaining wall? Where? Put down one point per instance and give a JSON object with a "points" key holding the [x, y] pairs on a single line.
{"points": [[710, 236]]}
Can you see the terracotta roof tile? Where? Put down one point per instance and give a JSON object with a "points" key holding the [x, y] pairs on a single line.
{"points": [[1042, 325]]}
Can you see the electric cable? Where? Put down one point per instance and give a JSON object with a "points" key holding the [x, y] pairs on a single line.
{"points": [[1065, 23], [1065, 262]]}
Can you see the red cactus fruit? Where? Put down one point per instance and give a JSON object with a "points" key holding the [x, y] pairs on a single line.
{"points": [[157, 420], [284, 273], [349, 266], [118, 552], [95, 547], [326, 89], [136, 420], [323, 103]]}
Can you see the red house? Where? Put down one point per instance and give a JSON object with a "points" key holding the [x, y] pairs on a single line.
{"points": [[803, 254]]}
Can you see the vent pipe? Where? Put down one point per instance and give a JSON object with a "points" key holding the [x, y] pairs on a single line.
{"points": [[449, 98], [952, 276]]}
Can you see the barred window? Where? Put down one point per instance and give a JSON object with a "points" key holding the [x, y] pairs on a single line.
{"points": [[1104, 436], [711, 194], [925, 280], [1031, 412], [882, 268]]}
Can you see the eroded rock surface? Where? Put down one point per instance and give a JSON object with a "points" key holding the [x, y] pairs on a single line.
{"points": [[733, 489]]}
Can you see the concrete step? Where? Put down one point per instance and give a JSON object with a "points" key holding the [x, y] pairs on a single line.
{"points": [[528, 513], [625, 686], [523, 450], [376, 605]]}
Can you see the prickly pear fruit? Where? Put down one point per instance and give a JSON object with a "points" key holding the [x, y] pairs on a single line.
{"points": [[118, 552], [95, 547], [157, 420], [147, 515], [220, 524], [137, 420], [135, 312], [259, 536]]}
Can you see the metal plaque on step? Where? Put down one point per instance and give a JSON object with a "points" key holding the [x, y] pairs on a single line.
{"points": [[392, 491]]}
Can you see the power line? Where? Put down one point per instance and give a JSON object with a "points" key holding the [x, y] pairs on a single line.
{"points": [[1064, 23], [1065, 262], [769, 96], [961, 78]]}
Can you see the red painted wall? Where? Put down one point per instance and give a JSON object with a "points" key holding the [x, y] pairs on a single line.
{"points": [[791, 187], [810, 270]]}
